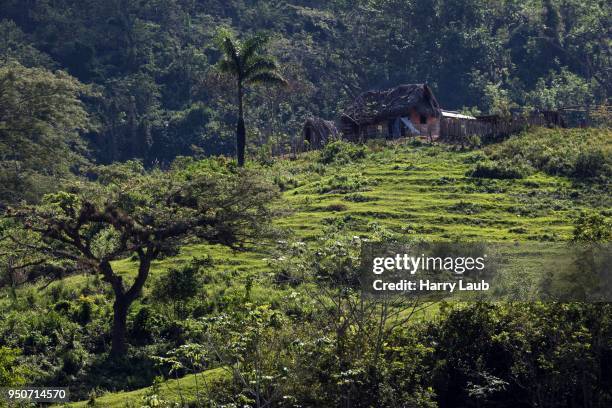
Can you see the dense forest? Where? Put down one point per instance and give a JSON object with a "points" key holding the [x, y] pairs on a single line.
{"points": [[162, 243], [145, 70]]}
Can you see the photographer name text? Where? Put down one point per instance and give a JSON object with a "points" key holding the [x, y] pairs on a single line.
{"points": [[405, 263]]}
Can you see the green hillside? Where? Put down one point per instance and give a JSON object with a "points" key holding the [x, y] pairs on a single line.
{"points": [[377, 191], [191, 190], [412, 188], [184, 389]]}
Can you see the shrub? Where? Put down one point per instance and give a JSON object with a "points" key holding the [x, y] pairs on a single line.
{"points": [[551, 339], [377, 145], [474, 157], [474, 141], [499, 170], [577, 153], [590, 164], [592, 228], [285, 183], [178, 284], [415, 142], [144, 327], [316, 167], [341, 152], [63, 306], [84, 312], [358, 198], [73, 361], [341, 184], [336, 207], [10, 373]]}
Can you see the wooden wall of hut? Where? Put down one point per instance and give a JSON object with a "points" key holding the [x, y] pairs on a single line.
{"points": [[360, 134], [456, 131], [493, 128]]}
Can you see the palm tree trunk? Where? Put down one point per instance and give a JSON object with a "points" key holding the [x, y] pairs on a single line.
{"points": [[240, 131]]}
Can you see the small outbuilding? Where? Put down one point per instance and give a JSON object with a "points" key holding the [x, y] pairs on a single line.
{"points": [[406, 110], [316, 133]]}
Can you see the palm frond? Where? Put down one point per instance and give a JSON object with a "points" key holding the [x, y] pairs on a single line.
{"points": [[230, 47], [227, 66], [272, 78], [253, 45], [259, 64]]}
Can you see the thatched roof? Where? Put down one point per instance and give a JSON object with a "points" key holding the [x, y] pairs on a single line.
{"points": [[376, 106], [324, 128]]}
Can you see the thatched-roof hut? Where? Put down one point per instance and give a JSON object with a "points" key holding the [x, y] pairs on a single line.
{"points": [[316, 133], [410, 109]]}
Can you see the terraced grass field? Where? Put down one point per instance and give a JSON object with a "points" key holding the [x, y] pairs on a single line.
{"points": [[425, 191], [403, 188], [409, 190]]}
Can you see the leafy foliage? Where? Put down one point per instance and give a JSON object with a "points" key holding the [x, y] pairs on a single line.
{"points": [[153, 61], [246, 63], [577, 153], [142, 215], [282, 324], [592, 228], [41, 116], [341, 152], [499, 170], [10, 372]]}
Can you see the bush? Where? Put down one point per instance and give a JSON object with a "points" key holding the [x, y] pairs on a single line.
{"points": [[359, 198], [476, 351], [335, 207], [592, 228], [285, 183], [376, 145], [590, 164], [145, 326], [316, 167], [10, 373], [474, 157], [499, 170], [341, 152], [84, 312], [577, 153], [341, 184], [178, 284], [474, 141]]}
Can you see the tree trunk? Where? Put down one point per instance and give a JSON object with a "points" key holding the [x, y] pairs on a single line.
{"points": [[119, 330], [240, 130], [124, 299]]}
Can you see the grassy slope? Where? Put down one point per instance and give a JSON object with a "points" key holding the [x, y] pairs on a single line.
{"points": [[412, 190], [425, 191], [187, 387]]}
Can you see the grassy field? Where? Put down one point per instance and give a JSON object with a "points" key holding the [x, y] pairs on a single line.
{"points": [[187, 388], [409, 190], [403, 188], [425, 191]]}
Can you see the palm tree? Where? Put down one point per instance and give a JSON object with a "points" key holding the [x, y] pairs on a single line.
{"points": [[246, 62]]}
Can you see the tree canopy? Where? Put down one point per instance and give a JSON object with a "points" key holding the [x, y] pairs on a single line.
{"points": [[130, 212], [41, 115], [153, 62]]}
